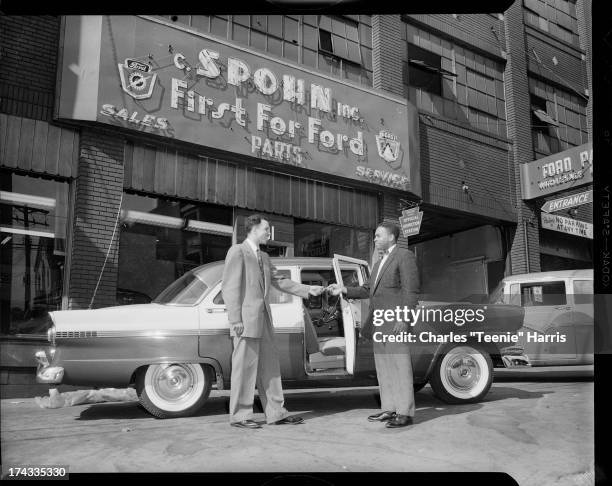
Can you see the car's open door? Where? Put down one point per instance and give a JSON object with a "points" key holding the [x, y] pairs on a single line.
{"points": [[350, 314]]}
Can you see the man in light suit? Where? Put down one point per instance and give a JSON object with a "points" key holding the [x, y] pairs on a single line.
{"points": [[394, 282], [247, 276]]}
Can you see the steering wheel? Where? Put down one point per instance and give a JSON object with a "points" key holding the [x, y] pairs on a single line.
{"points": [[331, 312]]}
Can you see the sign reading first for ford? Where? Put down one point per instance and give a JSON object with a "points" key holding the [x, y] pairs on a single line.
{"points": [[565, 170], [148, 75]]}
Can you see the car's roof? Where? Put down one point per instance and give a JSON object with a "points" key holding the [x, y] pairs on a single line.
{"points": [[277, 261], [582, 273]]}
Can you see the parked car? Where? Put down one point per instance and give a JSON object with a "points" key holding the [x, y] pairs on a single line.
{"points": [[558, 315], [174, 349]]}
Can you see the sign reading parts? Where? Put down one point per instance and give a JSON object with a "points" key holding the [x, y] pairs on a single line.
{"points": [[148, 75]]}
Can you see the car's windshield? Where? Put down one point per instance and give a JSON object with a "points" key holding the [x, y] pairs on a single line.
{"points": [[187, 290], [498, 296]]}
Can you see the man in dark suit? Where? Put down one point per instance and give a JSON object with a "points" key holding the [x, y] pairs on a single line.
{"points": [[247, 276], [394, 282]]}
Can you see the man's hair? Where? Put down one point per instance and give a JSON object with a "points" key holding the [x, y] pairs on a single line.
{"points": [[391, 228], [252, 220]]}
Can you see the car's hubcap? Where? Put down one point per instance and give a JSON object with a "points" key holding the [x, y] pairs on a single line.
{"points": [[174, 386], [464, 372]]}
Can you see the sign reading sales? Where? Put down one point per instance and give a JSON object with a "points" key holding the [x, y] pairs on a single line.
{"points": [[149, 75], [567, 225]]}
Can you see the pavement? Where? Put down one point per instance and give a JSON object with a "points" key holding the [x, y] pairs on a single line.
{"points": [[539, 431]]}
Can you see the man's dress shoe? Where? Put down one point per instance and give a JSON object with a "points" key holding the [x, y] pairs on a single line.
{"points": [[289, 420], [399, 421], [246, 424], [381, 417]]}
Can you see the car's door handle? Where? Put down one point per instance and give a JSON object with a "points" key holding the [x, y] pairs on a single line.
{"points": [[563, 307], [216, 309]]}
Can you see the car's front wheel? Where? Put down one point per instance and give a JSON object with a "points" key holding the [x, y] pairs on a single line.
{"points": [[174, 390], [463, 374]]}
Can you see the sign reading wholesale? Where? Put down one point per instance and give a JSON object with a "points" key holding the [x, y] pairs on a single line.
{"points": [[152, 76], [567, 225], [571, 168]]}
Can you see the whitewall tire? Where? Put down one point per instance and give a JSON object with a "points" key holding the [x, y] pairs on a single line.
{"points": [[175, 389], [462, 374]]}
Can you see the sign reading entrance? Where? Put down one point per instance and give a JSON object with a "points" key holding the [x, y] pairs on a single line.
{"points": [[568, 202], [567, 225]]}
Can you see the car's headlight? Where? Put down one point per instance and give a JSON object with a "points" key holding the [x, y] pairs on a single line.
{"points": [[51, 335]]}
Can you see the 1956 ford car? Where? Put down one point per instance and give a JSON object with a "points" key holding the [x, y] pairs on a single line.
{"points": [[174, 349]]}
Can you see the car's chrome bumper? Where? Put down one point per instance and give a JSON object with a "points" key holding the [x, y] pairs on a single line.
{"points": [[513, 357], [515, 361], [46, 373]]}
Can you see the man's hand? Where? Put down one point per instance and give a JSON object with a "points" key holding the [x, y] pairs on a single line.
{"points": [[400, 326], [238, 328], [335, 289], [316, 290]]}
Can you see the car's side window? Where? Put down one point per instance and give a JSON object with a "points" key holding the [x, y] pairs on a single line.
{"points": [[218, 300], [515, 294], [543, 293], [583, 291]]}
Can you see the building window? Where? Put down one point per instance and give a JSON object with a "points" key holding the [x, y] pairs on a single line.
{"points": [[558, 119], [33, 228], [424, 70], [557, 17], [338, 45], [323, 240], [446, 79], [162, 239]]}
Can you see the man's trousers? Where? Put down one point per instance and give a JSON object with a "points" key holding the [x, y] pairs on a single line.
{"points": [[255, 363]]}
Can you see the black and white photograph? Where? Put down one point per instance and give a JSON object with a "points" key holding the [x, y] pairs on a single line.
{"points": [[303, 238]]}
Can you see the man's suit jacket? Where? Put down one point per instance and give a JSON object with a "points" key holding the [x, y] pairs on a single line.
{"points": [[245, 292], [397, 285]]}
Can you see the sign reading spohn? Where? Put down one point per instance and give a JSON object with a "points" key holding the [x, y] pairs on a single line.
{"points": [[155, 78]]}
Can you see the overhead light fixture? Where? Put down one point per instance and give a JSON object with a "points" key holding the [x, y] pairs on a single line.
{"points": [[131, 216], [211, 228], [17, 198]]}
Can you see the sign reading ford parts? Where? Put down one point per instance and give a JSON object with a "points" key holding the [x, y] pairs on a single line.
{"points": [[571, 168], [173, 349], [149, 75]]}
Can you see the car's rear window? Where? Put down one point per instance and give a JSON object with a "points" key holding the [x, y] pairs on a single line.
{"points": [[187, 290]]}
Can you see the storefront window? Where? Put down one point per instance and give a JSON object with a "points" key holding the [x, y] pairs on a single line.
{"points": [[323, 240], [163, 239], [33, 222]]}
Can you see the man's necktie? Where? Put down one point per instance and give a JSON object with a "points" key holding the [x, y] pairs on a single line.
{"points": [[381, 255], [260, 261]]}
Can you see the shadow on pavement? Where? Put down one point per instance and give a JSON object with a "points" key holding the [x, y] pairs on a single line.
{"points": [[322, 403]]}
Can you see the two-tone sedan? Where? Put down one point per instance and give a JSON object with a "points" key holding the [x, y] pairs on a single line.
{"points": [[174, 349]]}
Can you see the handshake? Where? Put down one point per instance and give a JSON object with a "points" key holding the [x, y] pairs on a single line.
{"points": [[333, 289]]}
